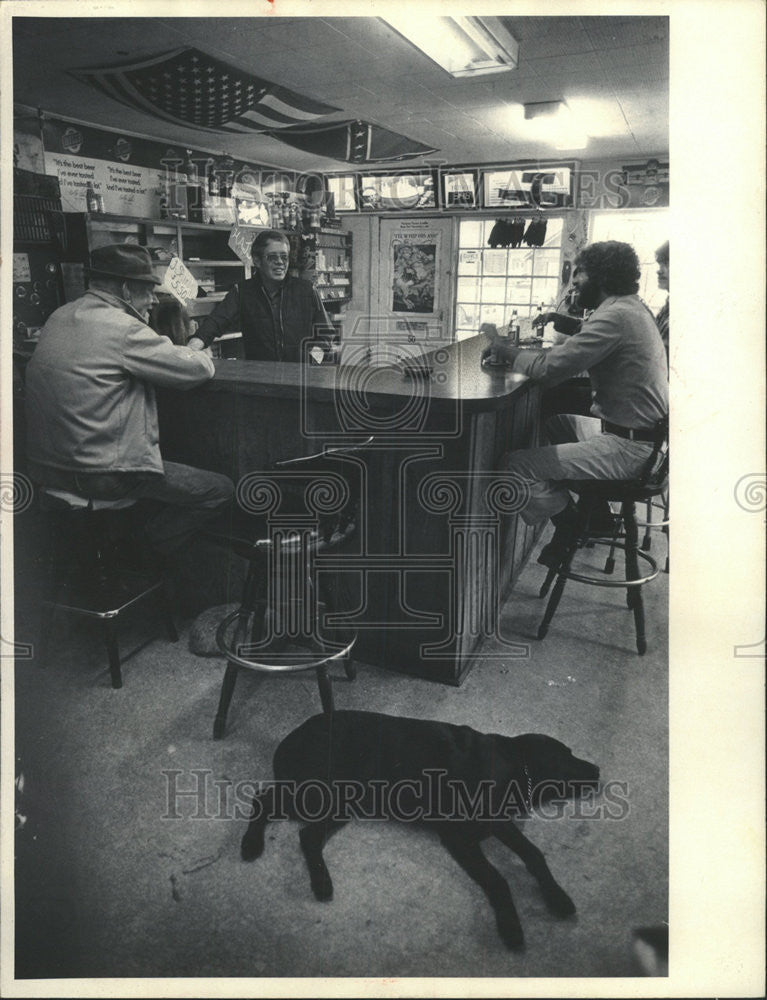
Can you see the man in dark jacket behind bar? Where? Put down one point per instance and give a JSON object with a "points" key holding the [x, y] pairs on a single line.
{"points": [[274, 312]]}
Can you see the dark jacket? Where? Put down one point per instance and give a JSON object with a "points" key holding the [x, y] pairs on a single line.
{"points": [[270, 332]]}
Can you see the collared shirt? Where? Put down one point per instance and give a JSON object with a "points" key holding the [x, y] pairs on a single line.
{"points": [[620, 347], [90, 397]]}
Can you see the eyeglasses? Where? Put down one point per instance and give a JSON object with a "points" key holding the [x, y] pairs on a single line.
{"points": [[276, 258]]}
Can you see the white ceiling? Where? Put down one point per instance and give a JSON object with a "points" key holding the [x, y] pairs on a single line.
{"points": [[613, 71]]}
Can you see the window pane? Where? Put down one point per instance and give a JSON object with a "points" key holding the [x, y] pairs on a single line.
{"points": [[468, 290], [511, 278], [469, 261], [493, 289], [521, 262], [470, 234], [645, 231], [545, 290], [546, 263], [487, 228], [518, 290], [491, 314], [553, 233], [494, 261], [467, 315]]}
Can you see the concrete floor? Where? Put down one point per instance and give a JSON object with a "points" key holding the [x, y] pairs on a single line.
{"points": [[109, 885]]}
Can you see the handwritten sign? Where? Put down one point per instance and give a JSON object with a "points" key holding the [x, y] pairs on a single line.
{"points": [[240, 241], [179, 281]]}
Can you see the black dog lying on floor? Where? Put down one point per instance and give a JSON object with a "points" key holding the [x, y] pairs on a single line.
{"points": [[465, 785]]}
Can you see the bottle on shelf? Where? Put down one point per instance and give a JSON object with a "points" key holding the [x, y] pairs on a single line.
{"points": [[194, 192], [514, 328], [92, 199]]}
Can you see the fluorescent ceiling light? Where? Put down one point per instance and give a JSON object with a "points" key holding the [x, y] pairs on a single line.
{"points": [[464, 46], [554, 123]]}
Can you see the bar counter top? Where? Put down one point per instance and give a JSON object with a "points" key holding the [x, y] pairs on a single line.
{"points": [[456, 375], [438, 550]]}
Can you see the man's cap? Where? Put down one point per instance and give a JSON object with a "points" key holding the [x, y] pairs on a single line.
{"points": [[123, 260]]}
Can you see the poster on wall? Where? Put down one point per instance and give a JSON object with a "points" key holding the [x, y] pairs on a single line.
{"points": [[414, 257], [647, 184], [397, 192], [459, 189], [133, 175], [534, 185]]}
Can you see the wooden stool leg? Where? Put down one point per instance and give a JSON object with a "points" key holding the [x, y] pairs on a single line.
{"points": [[326, 689], [634, 594], [227, 690], [110, 636], [647, 540], [610, 561], [547, 583], [551, 607], [559, 586]]}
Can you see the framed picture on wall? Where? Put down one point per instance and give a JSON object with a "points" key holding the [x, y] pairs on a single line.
{"points": [[343, 190], [397, 192], [529, 185], [459, 189]]}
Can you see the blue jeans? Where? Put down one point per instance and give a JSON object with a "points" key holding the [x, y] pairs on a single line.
{"points": [[190, 496], [579, 450]]}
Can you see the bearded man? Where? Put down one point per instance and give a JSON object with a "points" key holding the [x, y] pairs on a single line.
{"points": [[621, 349]]}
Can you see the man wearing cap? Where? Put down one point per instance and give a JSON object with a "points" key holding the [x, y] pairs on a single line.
{"points": [[276, 313], [92, 424]]}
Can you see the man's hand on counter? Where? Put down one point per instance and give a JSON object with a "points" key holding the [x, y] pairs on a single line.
{"points": [[195, 343], [500, 352]]}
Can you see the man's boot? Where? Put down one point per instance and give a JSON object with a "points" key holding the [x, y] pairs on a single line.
{"points": [[565, 524]]}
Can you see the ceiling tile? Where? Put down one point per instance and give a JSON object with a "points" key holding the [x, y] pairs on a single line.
{"points": [[364, 68]]}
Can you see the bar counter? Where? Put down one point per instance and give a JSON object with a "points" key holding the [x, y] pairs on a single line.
{"points": [[442, 543]]}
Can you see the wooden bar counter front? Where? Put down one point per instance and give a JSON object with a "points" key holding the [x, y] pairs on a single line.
{"points": [[439, 542]]}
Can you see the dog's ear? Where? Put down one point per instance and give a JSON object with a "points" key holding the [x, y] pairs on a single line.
{"points": [[539, 743]]}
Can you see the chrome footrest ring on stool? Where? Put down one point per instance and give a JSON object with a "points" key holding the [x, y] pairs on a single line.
{"points": [[601, 582], [297, 664]]}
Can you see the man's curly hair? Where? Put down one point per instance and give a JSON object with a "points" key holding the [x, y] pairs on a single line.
{"points": [[613, 265]]}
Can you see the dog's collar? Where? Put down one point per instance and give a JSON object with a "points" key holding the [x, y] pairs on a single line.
{"points": [[529, 780]]}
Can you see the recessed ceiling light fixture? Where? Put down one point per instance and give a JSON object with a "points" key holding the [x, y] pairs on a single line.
{"points": [[464, 46], [556, 124]]}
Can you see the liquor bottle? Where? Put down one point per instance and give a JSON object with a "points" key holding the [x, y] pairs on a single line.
{"points": [[514, 328], [91, 199], [194, 193], [538, 324]]}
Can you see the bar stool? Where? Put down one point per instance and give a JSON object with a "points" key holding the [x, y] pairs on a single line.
{"points": [[649, 524], [93, 585], [592, 495], [312, 508]]}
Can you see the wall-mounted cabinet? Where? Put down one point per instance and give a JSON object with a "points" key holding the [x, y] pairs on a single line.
{"points": [[329, 264], [204, 249]]}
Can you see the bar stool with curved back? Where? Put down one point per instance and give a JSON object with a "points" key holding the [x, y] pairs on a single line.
{"points": [[288, 618], [651, 484], [89, 582]]}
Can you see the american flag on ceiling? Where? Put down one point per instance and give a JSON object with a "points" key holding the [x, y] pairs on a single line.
{"points": [[353, 142], [189, 88]]}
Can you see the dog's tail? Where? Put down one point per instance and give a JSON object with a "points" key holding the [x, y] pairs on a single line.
{"points": [[252, 845]]}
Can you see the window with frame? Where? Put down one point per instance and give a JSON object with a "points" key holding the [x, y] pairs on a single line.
{"points": [[492, 283], [645, 230]]}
